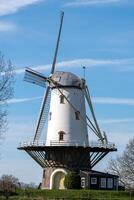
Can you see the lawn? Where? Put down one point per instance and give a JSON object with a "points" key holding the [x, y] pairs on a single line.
{"points": [[72, 195]]}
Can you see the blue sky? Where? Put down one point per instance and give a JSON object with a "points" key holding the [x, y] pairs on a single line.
{"points": [[98, 34]]}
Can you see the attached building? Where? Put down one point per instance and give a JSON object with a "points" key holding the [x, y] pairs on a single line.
{"points": [[98, 180]]}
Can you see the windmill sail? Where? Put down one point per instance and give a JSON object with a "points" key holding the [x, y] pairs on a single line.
{"points": [[87, 95], [35, 77], [57, 44], [43, 115], [38, 79], [105, 137]]}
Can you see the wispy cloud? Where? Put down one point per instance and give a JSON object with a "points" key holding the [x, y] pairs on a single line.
{"points": [[12, 6], [21, 100], [76, 3], [113, 101], [95, 100], [117, 64], [116, 121], [7, 26]]}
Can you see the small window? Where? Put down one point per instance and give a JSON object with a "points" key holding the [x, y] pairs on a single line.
{"points": [[50, 115], [83, 182], [103, 182], [61, 135], [77, 115], [93, 181], [44, 174], [61, 99], [115, 181], [110, 183]]}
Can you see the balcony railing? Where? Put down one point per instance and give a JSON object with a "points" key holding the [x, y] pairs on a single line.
{"points": [[66, 143]]}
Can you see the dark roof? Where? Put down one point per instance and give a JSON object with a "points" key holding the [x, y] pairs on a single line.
{"points": [[97, 173]]}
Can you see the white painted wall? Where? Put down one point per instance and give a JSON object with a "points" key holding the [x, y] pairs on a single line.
{"points": [[63, 118]]}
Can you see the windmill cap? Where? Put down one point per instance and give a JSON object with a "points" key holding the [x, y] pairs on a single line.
{"points": [[67, 79]]}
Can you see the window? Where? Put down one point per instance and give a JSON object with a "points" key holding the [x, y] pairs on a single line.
{"points": [[77, 115], [93, 181], [50, 115], [44, 174], [61, 135], [110, 183], [83, 182], [61, 99], [103, 182], [115, 182]]}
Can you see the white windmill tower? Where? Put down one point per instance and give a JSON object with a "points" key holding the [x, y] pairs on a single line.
{"points": [[67, 146], [67, 115]]}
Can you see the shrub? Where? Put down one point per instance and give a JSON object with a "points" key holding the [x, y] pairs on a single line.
{"points": [[72, 181]]}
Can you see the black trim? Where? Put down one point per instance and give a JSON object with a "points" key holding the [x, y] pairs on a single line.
{"points": [[66, 86]]}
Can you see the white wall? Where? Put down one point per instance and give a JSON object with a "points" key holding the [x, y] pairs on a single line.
{"points": [[63, 118]]}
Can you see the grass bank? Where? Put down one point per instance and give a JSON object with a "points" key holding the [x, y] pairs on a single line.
{"points": [[72, 195]]}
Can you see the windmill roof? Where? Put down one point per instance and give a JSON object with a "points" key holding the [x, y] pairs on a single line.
{"points": [[66, 79]]}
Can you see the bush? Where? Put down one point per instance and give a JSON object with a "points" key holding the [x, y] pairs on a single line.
{"points": [[72, 181]]}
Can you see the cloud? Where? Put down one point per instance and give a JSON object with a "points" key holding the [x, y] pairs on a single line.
{"points": [[12, 6], [76, 3], [119, 64], [113, 101], [95, 100], [116, 121], [21, 100], [7, 26]]}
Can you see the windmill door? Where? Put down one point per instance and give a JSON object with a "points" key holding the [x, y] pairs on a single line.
{"points": [[58, 180]]}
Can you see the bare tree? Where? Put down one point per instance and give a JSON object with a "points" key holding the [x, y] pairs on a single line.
{"points": [[123, 166], [31, 185], [8, 185], [6, 89]]}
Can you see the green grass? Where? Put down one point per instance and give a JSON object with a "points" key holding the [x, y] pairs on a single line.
{"points": [[72, 195]]}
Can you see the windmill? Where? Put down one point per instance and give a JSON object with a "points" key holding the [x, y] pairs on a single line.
{"points": [[67, 146]]}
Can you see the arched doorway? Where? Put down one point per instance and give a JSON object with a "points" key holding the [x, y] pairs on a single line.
{"points": [[57, 179]]}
